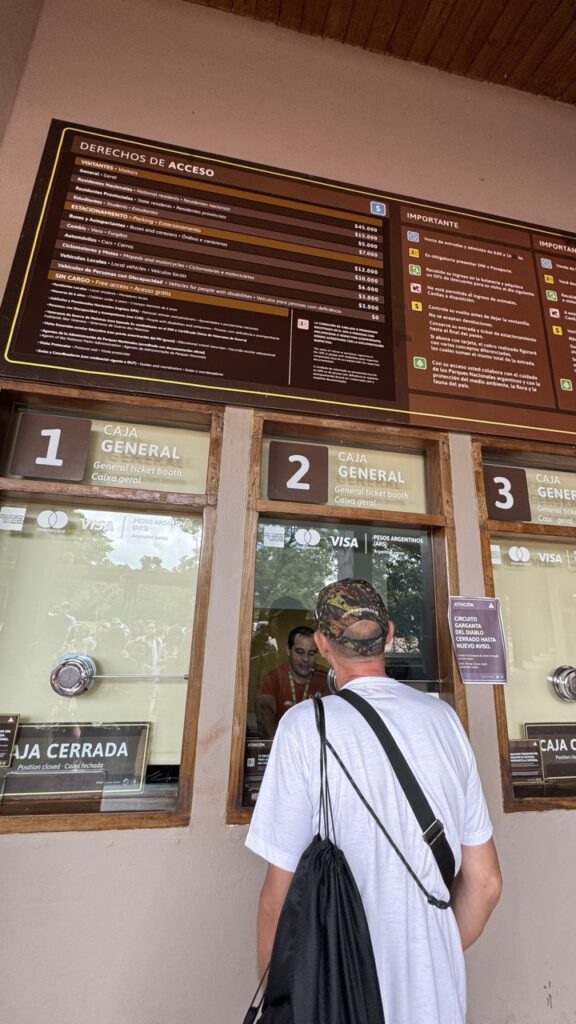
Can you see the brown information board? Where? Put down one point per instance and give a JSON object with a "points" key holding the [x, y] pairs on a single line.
{"points": [[147, 268]]}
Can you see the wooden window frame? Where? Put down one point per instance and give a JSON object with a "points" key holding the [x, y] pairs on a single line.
{"points": [[164, 412], [526, 454], [439, 520]]}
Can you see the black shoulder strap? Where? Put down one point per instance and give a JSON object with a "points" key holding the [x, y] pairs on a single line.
{"points": [[325, 814], [432, 829]]}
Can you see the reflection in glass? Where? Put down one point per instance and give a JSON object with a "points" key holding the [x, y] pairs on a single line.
{"points": [[119, 588], [535, 580]]}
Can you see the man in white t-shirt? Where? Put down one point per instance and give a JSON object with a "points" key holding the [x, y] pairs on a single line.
{"points": [[418, 947]]}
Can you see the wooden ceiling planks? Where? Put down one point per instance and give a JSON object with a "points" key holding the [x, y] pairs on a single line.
{"points": [[526, 38], [268, 10], [544, 39], [448, 41], [361, 22], [431, 28], [314, 16], [498, 38], [383, 25], [524, 44], [411, 13], [569, 94], [292, 15], [558, 64], [337, 19], [473, 39]]}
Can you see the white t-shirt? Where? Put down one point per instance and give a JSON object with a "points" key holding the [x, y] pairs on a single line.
{"points": [[417, 947]]}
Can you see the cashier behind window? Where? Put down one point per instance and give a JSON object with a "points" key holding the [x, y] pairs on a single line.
{"points": [[290, 683]]}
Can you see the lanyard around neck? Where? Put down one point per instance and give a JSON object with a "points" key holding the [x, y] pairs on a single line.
{"points": [[293, 687]]}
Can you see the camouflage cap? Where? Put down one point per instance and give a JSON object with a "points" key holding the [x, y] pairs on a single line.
{"points": [[342, 604]]}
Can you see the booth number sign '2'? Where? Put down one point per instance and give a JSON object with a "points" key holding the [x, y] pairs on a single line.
{"points": [[298, 472]]}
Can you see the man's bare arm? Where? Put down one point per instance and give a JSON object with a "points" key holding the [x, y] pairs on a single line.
{"points": [[272, 896], [476, 890]]}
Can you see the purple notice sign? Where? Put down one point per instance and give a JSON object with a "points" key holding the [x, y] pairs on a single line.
{"points": [[478, 639]]}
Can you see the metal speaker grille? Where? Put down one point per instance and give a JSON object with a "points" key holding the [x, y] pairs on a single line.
{"points": [[74, 674], [563, 680]]}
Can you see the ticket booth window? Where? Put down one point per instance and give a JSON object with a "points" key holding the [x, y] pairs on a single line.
{"points": [[294, 560], [331, 504], [530, 540], [102, 528], [97, 608]]}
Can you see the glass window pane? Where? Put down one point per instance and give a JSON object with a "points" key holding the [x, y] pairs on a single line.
{"points": [[294, 560], [96, 609], [535, 580]]}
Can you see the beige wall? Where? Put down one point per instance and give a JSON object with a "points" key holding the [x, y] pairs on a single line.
{"points": [[17, 24], [156, 926]]}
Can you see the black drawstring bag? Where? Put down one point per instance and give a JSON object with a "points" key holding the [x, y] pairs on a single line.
{"points": [[322, 969]]}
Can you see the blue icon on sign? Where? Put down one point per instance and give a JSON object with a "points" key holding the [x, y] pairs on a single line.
{"points": [[546, 263], [413, 236], [378, 208]]}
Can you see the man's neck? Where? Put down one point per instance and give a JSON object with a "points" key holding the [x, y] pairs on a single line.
{"points": [[347, 671]]}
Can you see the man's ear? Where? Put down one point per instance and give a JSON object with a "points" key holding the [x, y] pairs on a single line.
{"points": [[390, 633], [321, 643]]}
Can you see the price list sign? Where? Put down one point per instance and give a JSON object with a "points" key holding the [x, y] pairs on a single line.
{"points": [[147, 268], [173, 269]]}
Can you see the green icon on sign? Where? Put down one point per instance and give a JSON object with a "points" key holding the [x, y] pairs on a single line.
{"points": [[420, 363], [566, 384], [552, 295], [415, 269]]}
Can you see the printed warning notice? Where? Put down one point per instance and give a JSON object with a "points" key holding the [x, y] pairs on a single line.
{"points": [[478, 639]]}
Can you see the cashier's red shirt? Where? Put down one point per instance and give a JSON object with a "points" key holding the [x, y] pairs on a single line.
{"points": [[277, 684]]}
